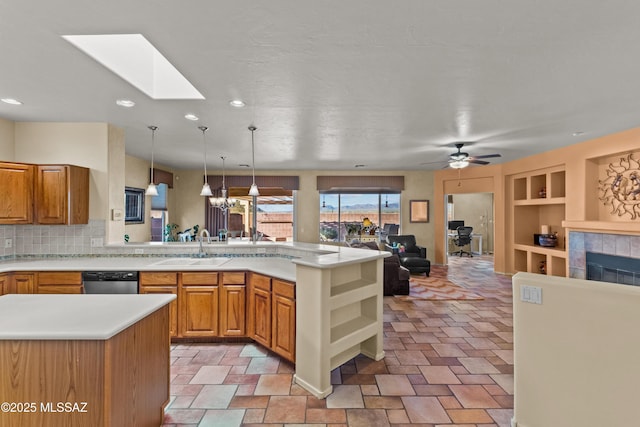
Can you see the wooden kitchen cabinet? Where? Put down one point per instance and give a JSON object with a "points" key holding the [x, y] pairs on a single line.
{"points": [[59, 282], [61, 194], [233, 305], [162, 283], [198, 304], [259, 315], [4, 283], [16, 193], [22, 283], [283, 319]]}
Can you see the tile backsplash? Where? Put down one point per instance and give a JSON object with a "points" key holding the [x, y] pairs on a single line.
{"points": [[51, 239]]}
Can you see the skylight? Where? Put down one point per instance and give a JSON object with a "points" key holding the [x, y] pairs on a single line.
{"points": [[137, 61]]}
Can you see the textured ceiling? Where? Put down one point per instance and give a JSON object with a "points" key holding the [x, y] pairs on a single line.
{"points": [[331, 84]]}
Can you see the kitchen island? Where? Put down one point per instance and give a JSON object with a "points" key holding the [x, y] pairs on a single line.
{"points": [[84, 360]]}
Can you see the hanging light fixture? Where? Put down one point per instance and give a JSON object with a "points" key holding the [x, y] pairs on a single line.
{"points": [[253, 191], [206, 190], [223, 203], [152, 190]]}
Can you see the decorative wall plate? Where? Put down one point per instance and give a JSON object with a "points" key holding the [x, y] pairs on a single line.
{"points": [[620, 190]]}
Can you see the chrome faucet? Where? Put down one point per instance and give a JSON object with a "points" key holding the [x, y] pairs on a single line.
{"points": [[201, 252], [202, 233]]}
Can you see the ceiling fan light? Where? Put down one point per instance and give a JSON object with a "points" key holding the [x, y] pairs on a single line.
{"points": [[459, 164]]}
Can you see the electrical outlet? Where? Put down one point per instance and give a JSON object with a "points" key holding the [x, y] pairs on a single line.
{"points": [[262, 250], [138, 251], [8, 243], [97, 242]]}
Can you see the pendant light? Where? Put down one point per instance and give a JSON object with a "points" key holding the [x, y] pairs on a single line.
{"points": [[253, 191], [152, 190], [206, 189]]}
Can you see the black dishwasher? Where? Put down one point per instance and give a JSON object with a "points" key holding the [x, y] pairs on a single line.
{"points": [[110, 282]]}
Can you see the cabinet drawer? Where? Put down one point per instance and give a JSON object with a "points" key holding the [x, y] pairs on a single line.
{"points": [[233, 278], [261, 282], [59, 278], [203, 278], [285, 289], [160, 278]]}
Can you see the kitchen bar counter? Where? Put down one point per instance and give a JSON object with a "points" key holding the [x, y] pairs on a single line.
{"points": [[73, 317], [84, 360]]}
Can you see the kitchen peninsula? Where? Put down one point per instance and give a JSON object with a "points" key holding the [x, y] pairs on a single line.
{"points": [[323, 301], [98, 360]]}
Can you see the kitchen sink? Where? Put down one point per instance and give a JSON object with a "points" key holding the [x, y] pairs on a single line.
{"points": [[212, 261]]}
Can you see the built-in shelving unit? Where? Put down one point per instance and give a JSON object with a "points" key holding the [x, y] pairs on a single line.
{"points": [[339, 317], [537, 198]]}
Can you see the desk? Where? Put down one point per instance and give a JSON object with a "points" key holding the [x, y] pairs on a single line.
{"points": [[477, 237]]}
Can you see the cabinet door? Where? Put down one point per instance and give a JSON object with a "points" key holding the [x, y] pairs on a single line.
{"points": [[232, 310], [4, 284], [260, 316], [283, 311], [173, 305], [16, 193], [23, 283], [51, 192], [198, 307]]}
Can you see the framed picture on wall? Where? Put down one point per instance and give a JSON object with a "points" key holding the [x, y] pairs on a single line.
{"points": [[418, 211]]}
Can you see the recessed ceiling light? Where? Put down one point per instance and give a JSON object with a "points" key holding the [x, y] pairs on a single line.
{"points": [[577, 133], [11, 101], [237, 103], [125, 103], [360, 166], [244, 165], [191, 117]]}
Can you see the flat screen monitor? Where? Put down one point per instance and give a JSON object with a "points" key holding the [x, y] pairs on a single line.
{"points": [[453, 225]]}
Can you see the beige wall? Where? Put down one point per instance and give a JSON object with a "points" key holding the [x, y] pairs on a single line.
{"points": [[81, 144], [575, 355], [7, 145]]}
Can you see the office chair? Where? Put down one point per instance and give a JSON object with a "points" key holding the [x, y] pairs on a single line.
{"points": [[463, 239]]}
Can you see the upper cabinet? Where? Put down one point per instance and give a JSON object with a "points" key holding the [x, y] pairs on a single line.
{"points": [[43, 194], [16, 193], [62, 194]]}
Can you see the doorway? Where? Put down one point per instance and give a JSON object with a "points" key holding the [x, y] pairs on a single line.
{"points": [[473, 210]]}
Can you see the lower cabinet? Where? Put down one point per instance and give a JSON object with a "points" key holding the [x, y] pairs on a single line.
{"points": [[198, 305], [59, 282], [233, 298], [4, 283], [272, 314], [22, 283], [163, 283], [283, 319]]}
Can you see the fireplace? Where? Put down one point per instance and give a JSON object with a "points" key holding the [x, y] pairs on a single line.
{"points": [[613, 268], [611, 257]]}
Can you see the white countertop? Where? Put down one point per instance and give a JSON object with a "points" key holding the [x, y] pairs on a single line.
{"points": [[73, 317]]}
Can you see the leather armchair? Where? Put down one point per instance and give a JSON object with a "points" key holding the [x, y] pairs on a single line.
{"points": [[412, 256]]}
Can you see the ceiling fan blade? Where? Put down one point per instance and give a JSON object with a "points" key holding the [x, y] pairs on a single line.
{"points": [[487, 156], [478, 162]]}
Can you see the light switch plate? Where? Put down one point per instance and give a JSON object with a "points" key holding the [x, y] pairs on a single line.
{"points": [[8, 243], [531, 294], [116, 214]]}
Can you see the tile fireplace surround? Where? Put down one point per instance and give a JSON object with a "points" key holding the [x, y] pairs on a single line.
{"points": [[611, 244]]}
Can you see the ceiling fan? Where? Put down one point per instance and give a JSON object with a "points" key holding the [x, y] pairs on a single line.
{"points": [[459, 159]]}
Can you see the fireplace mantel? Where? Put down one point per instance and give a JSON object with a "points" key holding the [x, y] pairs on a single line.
{"points": [[608, 227]]}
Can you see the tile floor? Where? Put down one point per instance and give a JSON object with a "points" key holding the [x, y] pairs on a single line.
{"points": [[447, 363]]}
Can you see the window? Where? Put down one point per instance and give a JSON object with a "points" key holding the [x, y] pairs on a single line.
{"points": [[133, 205], [342, 215]]}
